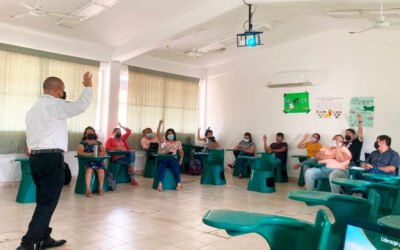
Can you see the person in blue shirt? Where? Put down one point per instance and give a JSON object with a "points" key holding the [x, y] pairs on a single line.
{"points": [[383, 160]]}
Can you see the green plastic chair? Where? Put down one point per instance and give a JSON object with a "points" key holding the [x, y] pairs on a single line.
{"points": [[187, 151], [342, 208], [27, 188], [169, 181], [213, 168], [392, 220], [280, 232], [119, 171], [150, 167], [388, 192], [80, 185], [262, 174]]}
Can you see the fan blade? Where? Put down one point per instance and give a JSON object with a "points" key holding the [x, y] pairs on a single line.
{"points": [[362, 31], [19, 16], [78, 18], [26, 6]]}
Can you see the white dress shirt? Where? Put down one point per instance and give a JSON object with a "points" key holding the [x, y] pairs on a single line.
{"points": [[46, 121]]}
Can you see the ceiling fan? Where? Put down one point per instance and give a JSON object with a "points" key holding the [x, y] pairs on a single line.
{"points": [[379, 22], [38, 11]]}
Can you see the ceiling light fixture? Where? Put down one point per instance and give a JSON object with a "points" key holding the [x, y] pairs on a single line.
{"points": [[249, 38]]}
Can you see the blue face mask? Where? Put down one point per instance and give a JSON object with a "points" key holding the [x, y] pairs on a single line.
{"points": [[149, 135], [170, 137]]}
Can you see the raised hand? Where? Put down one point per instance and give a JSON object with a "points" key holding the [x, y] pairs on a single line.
{"points": [[305, 136], [265, 138], [87, 79], [359, 117]]}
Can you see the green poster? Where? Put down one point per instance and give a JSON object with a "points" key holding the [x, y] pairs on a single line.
{"points": [[365, 107], [296, 103]]}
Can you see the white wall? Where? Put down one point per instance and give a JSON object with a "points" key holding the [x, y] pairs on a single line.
{"points": [[358, 65]]}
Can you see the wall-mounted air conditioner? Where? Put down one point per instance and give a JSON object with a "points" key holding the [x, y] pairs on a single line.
{"points": [[300, 78]]}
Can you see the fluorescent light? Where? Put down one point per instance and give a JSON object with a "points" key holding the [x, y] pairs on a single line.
{"points": [[90, 9]]}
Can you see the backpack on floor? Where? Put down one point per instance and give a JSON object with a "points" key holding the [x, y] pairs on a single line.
{"points": [[67, 174], [195, 167], [111, 181]]}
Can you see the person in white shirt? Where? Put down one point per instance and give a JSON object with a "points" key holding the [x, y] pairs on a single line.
{"points": [[47, 139]]}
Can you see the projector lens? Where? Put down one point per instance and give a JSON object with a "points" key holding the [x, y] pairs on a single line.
{"points": [[251, 41]]}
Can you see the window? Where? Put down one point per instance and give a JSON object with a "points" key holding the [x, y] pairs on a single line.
{"points": [[22, 72], [154, 95]]}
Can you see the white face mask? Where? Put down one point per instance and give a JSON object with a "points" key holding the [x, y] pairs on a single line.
{"points": [[334, 144], [246, 140]]}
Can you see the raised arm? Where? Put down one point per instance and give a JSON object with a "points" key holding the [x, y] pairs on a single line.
{"points": [[64, 109], [266, 148], [360, 128], [199, 138], [159, 137], [302, 143]]}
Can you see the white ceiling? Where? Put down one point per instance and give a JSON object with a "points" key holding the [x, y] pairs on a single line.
{"points": [[164, 29]]}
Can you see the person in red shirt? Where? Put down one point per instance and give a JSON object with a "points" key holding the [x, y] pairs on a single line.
{"points": [[119, 143]]}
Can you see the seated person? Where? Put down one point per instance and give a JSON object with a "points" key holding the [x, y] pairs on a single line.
{"points": [[336, 157], [171, 145], [246, 147], [209, 138], [119, 143], [354, 141], [383, 160], [147, 138], [279, 147], [312, 146], [86, 148]]}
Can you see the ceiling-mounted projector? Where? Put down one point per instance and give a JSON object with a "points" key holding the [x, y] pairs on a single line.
{"points": [[249, 38]]}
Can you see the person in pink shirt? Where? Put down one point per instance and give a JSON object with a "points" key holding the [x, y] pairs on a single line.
{"points": [[119, 143], [337, 156]]}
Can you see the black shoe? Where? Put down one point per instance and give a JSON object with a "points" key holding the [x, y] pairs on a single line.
{"points": [[21, 247], [49, 243]]}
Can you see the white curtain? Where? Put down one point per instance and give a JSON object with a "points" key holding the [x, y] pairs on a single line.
{"points": [[21, 78], [154, 95]]}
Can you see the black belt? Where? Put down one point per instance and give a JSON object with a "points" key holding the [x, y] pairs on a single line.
{"points": [[46, 151]]}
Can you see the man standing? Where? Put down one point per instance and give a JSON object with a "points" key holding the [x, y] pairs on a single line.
{"points": [[47, 139], [383, 160]]}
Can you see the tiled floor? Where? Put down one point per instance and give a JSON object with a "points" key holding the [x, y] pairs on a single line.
{"points": [[142, 218]]}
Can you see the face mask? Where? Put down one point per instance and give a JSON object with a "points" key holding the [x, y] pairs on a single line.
{"points": [[314, 139], [91, 137], [376, 145], [118, 135], [149, 135], [334, 144], [170, 137], [64, 96], [246, 140], [347, 137]]}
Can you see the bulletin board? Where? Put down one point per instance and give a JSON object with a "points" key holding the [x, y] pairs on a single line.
{"points": [[296, 102], [329, 107], [365, 107]]}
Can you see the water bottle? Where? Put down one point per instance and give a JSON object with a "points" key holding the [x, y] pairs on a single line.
{"points": [[95, 150]]}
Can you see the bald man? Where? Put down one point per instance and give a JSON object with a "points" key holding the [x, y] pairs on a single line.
{"points": [[47, 140]]}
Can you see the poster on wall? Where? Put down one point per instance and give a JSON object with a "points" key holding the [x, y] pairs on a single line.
{"points": [[329, 107], [296, 102], [365, 107]]}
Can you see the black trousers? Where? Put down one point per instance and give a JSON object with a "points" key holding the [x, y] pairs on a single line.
{"points": [[48, 176]]}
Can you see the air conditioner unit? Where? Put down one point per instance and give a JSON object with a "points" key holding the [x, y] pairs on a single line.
{"points": [[291, 79]]}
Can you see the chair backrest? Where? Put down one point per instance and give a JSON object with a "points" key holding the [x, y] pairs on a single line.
{"points": [[375, 200], [396, 207], [322, 229], [267, 161], [216, 157]]}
